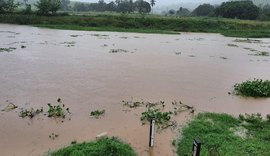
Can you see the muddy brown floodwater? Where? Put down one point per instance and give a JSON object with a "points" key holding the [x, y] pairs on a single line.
{"points": [[97, 70]]}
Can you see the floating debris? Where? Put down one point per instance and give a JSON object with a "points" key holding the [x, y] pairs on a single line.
{"points": [[9, 107]]}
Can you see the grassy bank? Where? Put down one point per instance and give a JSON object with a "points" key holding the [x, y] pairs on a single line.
{"points": [[107, 146], [147, 24], [222, 134]]}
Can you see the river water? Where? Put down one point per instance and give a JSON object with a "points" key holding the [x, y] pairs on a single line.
{"points": [[79, 67]]}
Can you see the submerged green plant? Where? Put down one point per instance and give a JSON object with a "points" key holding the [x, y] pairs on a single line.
{"points": [[58, 110], [30, 113], [97, 113], [253, 88], [161, 118], [7, 49]]}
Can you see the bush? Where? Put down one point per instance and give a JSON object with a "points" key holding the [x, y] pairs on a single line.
{"points": [[254, 88], [103, 147]]}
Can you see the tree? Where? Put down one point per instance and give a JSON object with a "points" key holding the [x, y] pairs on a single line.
{"points": [[64, 4], [238, 9], [152, 3], [142, 6], [171, 12], [111, 6], [204, 10], [266, 10], [46, 7], [183, 12], [7, 6], [101, 5]]}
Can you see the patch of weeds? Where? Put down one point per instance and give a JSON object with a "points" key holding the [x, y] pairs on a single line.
{"points": [[104, 45], [118, 51], [101, 147], [162, 119], [224, 58], [58, 110], [155, 110], [191, 55], [9, 107], [97, 113], [261, 53], [253, 88], [99, 35], [73, 142], [74, 35], [180, 107], [7, 49], [247, 40], [69, 44], [53, 136], [132, 104], [30, 113], [123, 37], [177, 53], [232, 45], [23, 46]]}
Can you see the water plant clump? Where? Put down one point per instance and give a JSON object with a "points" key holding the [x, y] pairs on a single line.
{"points": [[7, 49], [97, 113], [253, 88], [261, 53], [162, 119], [118, 51], [232, 45], [101, 147], [58, 110], [30, 113]]}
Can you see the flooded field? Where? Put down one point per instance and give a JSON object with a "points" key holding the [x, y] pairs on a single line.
{"points": [[97, 70]]}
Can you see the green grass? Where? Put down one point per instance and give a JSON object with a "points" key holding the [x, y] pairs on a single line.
{"points": [[103, 147], [146, 24], [253, 88], [222, 134]]}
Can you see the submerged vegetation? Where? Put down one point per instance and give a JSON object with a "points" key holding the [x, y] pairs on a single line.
{"points": [[7, 49], [58, 110], [30, 113], [97, 113], [106, 146], [253, 88], [222, 134]]}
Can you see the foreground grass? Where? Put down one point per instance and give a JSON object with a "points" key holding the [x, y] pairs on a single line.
{"points": [[146, 24], [103, 147], [222, 134]]}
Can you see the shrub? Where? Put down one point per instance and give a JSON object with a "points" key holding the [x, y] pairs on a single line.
{"points": [[103, 147], [254, 88]]}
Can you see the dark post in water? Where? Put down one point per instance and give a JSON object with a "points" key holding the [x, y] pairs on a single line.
{"points": [[196, 148], [152, 132]]}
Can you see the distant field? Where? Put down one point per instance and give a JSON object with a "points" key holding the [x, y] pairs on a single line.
{"points": [[144, 23]]}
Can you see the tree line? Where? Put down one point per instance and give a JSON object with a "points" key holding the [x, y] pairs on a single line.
{"points": [[125, 6], [241, 9], [50, 7], [232, 9]]}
